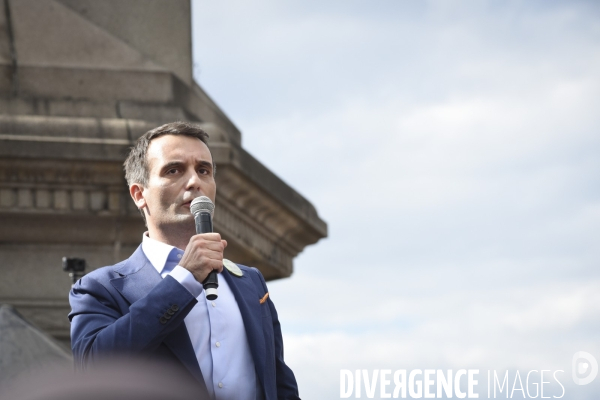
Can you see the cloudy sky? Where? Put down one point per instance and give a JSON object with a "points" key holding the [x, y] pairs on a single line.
{"points": [[453, 149]]}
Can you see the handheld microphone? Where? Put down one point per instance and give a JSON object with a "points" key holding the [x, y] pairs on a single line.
{"points": [[202, 209]]}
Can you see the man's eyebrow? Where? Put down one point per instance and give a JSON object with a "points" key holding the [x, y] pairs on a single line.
{"points": [[177, 164], [171, 164], [204, 164]]}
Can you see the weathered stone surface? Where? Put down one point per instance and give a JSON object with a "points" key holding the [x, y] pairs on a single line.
{"points": [[165, 36], [91, 46], [23, 347]]}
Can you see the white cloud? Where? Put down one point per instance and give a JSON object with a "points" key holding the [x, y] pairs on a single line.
{"points": [[470, 131], [520, 330]]}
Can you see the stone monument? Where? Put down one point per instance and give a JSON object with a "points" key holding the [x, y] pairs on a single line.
{"points": [[80, 80]]}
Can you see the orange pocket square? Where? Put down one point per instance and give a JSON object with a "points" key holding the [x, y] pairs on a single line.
{"points": [[265, 297]]}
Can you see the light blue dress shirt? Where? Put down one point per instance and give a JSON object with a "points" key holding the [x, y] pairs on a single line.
{"points": [[216, 329]]}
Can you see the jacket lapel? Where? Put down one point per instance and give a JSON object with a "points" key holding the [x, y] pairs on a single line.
{"points": [[137, 277], [247, 298]]}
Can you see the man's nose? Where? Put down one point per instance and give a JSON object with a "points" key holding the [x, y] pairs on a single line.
{"points": [[193, 180]]}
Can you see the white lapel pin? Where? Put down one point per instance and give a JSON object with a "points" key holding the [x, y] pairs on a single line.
{"points": [[232, 267]]}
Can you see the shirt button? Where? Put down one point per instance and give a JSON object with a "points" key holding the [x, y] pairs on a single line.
{"points": [[178, 255], [220, 384], [218, 344], [213, 303]]}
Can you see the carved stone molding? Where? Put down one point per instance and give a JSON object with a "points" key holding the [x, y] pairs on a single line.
{"points": [[262, 248], [267, 222], [262, 232], [62, 187]]}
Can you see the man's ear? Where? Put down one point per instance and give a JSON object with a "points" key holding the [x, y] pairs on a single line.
{"points": [[137, 194]]}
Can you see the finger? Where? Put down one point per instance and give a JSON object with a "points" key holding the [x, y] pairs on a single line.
{"points": [[216, 265], [201, 256], [211, 236], [206, 267], [212, 255], [200, 244], [224, 243], [213, 246]]}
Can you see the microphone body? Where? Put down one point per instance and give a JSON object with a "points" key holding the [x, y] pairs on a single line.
{"points": [[202, 208], [203, 222]]}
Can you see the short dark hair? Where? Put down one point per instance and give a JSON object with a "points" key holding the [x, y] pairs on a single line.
{"points": [[136, 164]]}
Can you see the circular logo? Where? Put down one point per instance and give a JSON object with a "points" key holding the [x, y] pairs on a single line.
{"points": [[232, 267], [585, 368]]}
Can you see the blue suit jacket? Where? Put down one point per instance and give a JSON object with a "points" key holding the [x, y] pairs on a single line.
{"points": [[118, 309]]}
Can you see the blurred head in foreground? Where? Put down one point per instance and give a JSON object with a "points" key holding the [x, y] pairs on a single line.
{"points": [[114, 380]]}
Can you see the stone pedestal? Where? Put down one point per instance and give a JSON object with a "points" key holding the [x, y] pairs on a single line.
{"points": [[80, 80]]}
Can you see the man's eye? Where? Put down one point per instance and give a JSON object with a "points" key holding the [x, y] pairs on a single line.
{"points": [[203, 171], [172, 171]]}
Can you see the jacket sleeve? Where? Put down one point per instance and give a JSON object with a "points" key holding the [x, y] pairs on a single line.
{"points": [[101, 327], [287, 387]]}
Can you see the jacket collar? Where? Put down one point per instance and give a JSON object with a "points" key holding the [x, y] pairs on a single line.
{"points": [[146, 277]]}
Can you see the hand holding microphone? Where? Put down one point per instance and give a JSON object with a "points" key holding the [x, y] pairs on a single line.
{"points": [[203, 255]]}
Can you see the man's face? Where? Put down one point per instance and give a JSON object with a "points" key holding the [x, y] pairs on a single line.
{"points": [[179, 169]]}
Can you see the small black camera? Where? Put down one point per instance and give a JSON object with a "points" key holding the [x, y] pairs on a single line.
{"points": [[73, 264]]}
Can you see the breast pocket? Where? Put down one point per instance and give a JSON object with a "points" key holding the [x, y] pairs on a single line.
{"points": [[265, 310]]}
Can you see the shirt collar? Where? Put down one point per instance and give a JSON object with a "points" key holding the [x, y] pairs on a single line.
{"points": [[157, 252]]}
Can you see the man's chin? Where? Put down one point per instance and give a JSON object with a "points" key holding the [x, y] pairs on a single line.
{"points": [[185, 218], [182, 220]]}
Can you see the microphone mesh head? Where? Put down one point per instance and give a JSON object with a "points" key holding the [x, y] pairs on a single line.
{"points": [[200, 204]]}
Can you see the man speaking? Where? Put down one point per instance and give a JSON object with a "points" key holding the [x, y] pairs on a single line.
{"points": [[153, 304]]}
